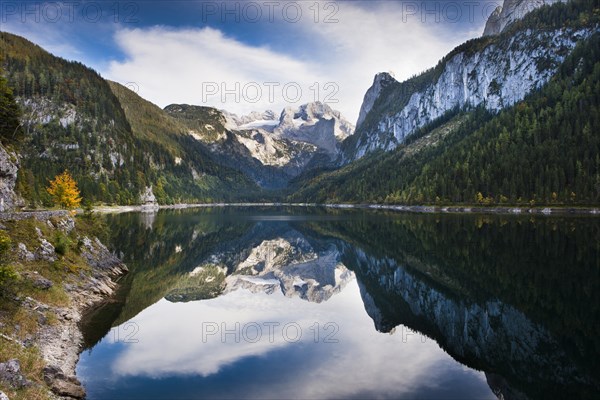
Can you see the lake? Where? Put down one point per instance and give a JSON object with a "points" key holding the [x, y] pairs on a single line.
{"points": [[314, 303]]}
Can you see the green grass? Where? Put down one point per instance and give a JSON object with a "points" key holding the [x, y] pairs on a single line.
{"points": [[20, 322]]}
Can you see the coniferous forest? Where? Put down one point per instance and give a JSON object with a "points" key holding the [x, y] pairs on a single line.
{"points": [[543, 150]]}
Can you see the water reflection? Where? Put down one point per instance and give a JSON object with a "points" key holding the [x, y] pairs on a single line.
{"points": [[309, 350], [321, 304]]}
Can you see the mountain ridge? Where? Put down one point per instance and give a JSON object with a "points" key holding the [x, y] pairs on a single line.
{"points": [[118, 145], [496, 71], [542, 150], [511, 11], [271, 150]]}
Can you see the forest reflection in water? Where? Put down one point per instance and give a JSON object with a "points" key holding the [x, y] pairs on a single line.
{"points": [[416, 304]]}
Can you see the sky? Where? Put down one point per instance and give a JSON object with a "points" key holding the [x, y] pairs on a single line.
{"points": [[247, 56]]}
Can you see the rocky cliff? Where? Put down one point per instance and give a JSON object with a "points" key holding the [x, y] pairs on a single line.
{"points": [[67, 283], [8, 178], [494, 72], [511, 11]]}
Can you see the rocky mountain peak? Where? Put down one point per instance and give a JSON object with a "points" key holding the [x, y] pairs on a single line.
{"points": [[314, 123], [382, 80], [309, 111], [255, 119], [511, 11]]}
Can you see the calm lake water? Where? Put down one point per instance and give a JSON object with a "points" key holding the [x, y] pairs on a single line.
{"points": [[308, 303]]}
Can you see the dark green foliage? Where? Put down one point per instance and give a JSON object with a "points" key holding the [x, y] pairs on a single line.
{"points": [[7, 272], [62, 243], [10, 127], [544, 150], [114, 143]]}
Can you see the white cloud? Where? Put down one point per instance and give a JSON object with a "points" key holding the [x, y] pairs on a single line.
{"points": [[175, 65], [186, 339], [170, 65]]}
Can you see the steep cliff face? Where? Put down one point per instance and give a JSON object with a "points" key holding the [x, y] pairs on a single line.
{"points": [[381, 81], [8, 178], [511, 11], [494, 71]]}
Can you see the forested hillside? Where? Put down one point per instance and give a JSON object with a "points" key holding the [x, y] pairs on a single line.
{"points": [[10, 125], [182, 171], [493, 72], [543, 150], [73, 120]]}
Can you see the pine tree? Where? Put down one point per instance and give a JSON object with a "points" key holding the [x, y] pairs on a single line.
{"points": [[10, 127]]}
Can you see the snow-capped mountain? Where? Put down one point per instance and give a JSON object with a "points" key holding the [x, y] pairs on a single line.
{"points": [[255, 119], [270, 150], [312, 123], [494, 71], [292, 267]]}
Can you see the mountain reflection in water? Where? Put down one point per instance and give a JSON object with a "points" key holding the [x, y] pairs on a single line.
{"points": [[313, 303]]}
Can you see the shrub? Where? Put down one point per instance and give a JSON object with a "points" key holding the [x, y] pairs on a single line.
{"points": [[7, 273], [62, 243], [7, 276], [5, 243]]}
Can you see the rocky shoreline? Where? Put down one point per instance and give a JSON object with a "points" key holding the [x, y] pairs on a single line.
{"points": [[515, 210], [61, 341], [61, 344]]}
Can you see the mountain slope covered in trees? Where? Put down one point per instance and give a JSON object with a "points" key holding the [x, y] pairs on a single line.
{"points": [[543, 150], [508, 148], [113, 142], [493, 72]]}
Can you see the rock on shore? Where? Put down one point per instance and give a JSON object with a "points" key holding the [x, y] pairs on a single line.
{"points": [[61, 342]]}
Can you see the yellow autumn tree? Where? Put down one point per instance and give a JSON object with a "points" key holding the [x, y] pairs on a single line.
{"points": [[64, 191]]}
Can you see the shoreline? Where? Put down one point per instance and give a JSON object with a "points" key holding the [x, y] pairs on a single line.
{"points": [[61, 341], [456, 209], [61, 344], [422, 209]]}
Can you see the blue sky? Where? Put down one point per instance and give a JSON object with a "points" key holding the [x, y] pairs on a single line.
{"points": [[249, 55]]}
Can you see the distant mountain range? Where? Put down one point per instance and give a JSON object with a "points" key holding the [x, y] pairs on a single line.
{"points": [[270, 150], [508, 118]]}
